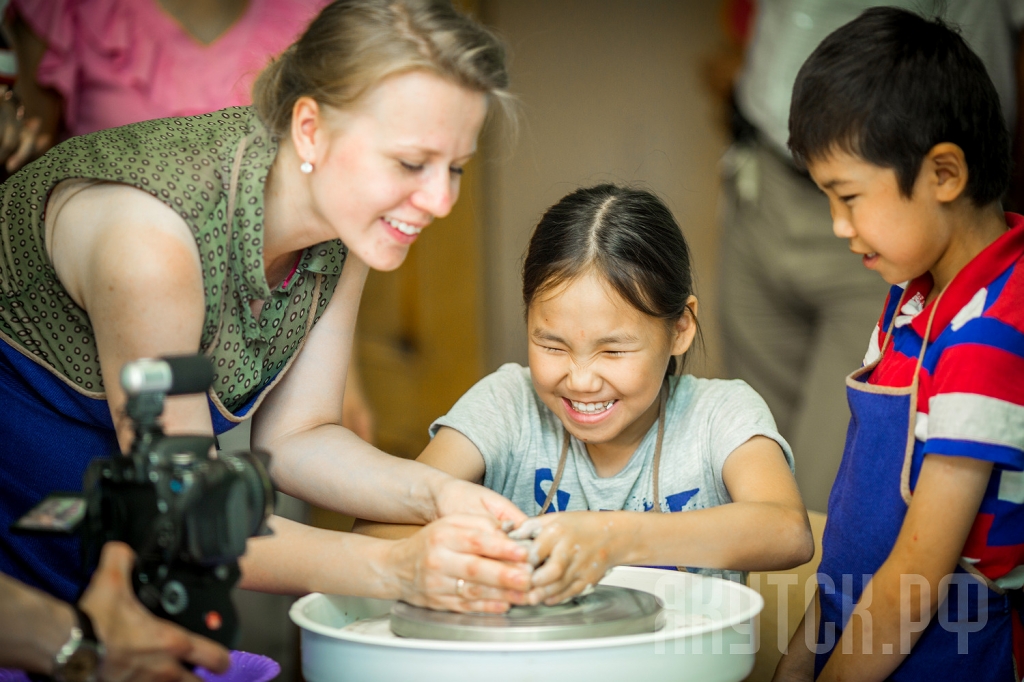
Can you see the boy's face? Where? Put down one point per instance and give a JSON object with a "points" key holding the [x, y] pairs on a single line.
{"points": [[900, 238]]}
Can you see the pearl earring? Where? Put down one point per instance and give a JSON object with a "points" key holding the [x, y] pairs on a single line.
{"points": [[306, 167]]}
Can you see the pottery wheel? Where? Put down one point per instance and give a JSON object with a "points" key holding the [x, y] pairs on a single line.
{"points": [[606, 612]]}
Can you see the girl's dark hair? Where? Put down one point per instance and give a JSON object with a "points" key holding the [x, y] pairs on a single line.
{"points": [[889, 86], [627, 235]]}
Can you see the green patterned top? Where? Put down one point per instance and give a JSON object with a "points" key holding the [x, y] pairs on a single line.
{"points": [[187, 164]]}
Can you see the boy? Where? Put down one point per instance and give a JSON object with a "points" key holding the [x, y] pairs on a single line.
{"points": [[923, 555]]}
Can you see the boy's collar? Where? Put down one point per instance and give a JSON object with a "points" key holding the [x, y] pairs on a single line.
{"points": [[980, 272]]}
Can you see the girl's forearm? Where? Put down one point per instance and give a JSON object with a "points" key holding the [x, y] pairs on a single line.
{"points": [[740, 536]]}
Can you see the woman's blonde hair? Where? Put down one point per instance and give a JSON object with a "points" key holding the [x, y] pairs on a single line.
{"points": [[354, 44]]}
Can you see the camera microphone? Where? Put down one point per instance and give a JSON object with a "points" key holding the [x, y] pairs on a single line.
{"points": [[173, 375]]}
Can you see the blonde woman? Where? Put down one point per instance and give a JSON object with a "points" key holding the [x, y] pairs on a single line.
{"points": [[246, 234]]}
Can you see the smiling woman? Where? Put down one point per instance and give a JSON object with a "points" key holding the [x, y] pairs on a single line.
{"points": [[246, 234]]}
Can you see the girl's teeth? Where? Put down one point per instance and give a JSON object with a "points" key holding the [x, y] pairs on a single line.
{"points": [[404, 228], [591, 408]]}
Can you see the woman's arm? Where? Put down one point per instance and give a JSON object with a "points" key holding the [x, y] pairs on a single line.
{"points": [[422, 569], [316, 459], [448, 451], [133, 265], [940, 516], [765, 527]]}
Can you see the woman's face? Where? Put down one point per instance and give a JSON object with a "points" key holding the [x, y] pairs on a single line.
{"points": [[597, 362], [384, 169]]}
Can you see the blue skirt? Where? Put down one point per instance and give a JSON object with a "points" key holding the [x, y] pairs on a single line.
{"points": [[49, 433]]}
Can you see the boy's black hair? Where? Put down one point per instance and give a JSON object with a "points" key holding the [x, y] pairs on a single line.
{"points": [[627, 235], [889, 86]]}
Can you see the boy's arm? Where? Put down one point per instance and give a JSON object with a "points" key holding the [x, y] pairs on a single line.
{"points": [[764, 528], [449, 451], [797, 662], [940, 516]]}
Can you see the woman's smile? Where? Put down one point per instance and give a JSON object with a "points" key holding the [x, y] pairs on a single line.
{"points": [[402, 232]]}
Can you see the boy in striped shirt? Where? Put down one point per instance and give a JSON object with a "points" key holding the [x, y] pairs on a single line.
{"points": [[899, 124]]}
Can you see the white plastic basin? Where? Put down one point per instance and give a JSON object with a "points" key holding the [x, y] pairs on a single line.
{"points": [[709, 635]]}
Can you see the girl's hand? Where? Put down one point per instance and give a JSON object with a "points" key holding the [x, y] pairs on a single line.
{"points": [[455, 496], [572, 552], [461, 563]]}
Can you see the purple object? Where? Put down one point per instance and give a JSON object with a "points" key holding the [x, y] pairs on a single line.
{"points": [[245, 667], [10, 675]]}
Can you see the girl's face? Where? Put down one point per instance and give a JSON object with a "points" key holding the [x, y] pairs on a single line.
{"points": [[386, 168], [598, 363]]}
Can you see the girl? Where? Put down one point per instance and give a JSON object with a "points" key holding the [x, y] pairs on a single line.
{"points": [[604, 419]]}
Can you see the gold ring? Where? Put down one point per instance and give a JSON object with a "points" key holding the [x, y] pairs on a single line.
{"points": [[458, 587]]}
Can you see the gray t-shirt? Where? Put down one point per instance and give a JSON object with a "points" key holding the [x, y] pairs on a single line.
{"points": [[521, 440]]}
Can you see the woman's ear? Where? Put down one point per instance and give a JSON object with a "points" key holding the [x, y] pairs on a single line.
{"points": [[685, 328], [307, 127], [946, 168]]}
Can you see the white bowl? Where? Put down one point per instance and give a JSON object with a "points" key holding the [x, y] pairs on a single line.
{"points": [[709, 635]]}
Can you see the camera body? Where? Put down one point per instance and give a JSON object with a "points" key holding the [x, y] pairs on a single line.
{"points": [[185, 509]]}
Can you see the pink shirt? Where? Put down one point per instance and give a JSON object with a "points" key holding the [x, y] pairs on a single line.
{"points": [[121, 61]]}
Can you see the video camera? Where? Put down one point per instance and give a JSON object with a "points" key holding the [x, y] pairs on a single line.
{"points": [[186, 510]]}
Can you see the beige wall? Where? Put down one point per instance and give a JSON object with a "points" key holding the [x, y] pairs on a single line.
{"points": [[610, 91]]}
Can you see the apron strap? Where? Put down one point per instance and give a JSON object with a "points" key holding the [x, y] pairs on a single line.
{"points": [[558, 473], [656, 467], [908, 456]]}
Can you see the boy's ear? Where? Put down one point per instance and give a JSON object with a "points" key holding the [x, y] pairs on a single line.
{"points": [[946, 168], [685, 328]]}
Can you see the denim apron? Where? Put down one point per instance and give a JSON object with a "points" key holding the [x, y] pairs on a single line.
{"points": [[973, 635]]}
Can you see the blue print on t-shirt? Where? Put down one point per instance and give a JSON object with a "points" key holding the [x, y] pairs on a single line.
{"points": [[561, 501], [675, 502], [678, 501]]}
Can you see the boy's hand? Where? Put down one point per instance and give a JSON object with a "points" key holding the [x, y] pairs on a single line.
{"points": [[461, 563], [572, 550]]}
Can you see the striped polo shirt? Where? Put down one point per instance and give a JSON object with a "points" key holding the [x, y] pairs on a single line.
{"points": [[971, 387]]}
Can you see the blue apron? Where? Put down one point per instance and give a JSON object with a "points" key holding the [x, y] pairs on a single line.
{"points": [[866, 510]]}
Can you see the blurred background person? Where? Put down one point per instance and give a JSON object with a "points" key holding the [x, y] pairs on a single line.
{"points": [[796, 307]]}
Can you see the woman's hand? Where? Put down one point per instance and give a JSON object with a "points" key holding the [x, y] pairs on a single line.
{"points": [[455, 496], [140, 646], [572, 550], [461, 563]]}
